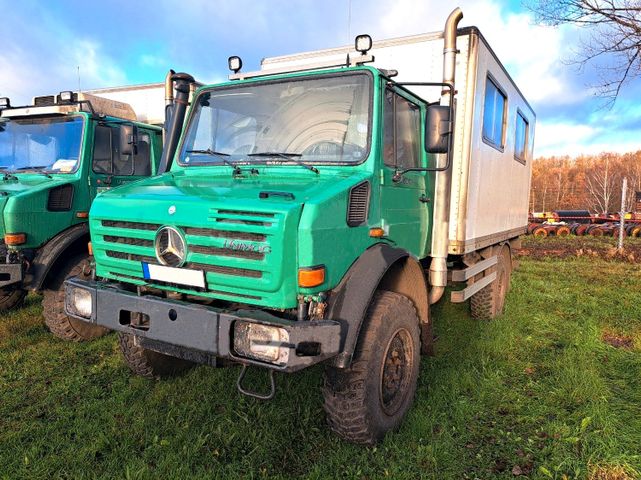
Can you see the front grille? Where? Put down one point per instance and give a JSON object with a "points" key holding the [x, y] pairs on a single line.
{"points": [[60, 198], [235, 253]]}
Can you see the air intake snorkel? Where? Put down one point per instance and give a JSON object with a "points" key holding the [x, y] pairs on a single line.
{"points": [[175, 115]]}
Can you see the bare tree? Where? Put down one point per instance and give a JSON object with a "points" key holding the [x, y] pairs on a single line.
{"points": [[614, 31], [600, 183]]}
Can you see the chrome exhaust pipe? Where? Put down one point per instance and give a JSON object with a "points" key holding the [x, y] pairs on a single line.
{"points": [[441, 230]]}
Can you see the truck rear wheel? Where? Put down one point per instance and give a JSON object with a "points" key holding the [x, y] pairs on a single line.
{"points": [[11, 298], [373, 395], [147, 363], [53, 303], [488, 302]]}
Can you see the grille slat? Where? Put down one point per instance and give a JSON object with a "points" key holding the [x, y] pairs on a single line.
{"points": [[230, 234], [226, 252], [130, 225], [139, 242]]}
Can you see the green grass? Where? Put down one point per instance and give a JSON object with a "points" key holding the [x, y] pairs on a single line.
{"points": [[536, 390]]}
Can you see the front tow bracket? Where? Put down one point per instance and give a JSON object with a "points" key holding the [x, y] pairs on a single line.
{"points": [[256, 395]]}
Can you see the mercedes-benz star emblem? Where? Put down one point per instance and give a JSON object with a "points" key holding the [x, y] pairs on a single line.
{"points": [[171, 249]]}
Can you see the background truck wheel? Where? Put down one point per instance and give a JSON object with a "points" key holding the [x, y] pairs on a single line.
{"points": [[11, 298], [370, 398], [147, 363], [488, 302], [53, 304]]}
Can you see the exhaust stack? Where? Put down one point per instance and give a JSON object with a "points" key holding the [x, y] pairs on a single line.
{"points": [[440, 240]]}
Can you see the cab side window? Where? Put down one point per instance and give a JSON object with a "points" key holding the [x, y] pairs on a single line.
{"points": [[108, 160], [401, 132]]}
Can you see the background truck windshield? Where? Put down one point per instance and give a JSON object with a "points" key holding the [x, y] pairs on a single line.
{"points": [[318, 120], [45, 144]]}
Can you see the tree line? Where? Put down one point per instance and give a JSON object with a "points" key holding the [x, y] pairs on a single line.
{"points": [[586, 182]]}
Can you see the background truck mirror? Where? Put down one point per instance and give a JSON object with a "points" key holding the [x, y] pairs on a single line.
{"points": [[437, 129], [128, 139]]}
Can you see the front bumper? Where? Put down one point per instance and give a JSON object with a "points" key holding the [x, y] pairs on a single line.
{"points": [[10, 274], [198, 332]]}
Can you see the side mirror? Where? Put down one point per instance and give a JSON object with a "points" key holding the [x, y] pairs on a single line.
{"points": [[438, 129], [128, 140]]}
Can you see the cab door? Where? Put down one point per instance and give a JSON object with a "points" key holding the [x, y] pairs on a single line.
{"points": [[404, 204], [110, 168]]}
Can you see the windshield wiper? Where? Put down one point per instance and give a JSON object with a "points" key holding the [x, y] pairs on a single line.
{"points": [[221, 155], [35, 168], [287, 156]]}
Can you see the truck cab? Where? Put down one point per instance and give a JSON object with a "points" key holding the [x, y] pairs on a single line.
{"points": [[56, 156]]}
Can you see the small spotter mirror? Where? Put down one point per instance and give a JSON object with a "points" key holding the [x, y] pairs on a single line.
{"points": [[128, 139]]}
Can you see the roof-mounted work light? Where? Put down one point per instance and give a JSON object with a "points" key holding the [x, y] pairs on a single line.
{"points": [[66, 96], [235, 64], [5, 103], [363, 43]]}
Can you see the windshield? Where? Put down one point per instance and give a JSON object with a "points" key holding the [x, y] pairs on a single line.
{"points": [[44, 144], [312, 120]]}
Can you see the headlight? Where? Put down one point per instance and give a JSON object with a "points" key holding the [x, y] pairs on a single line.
{"points": [[261, 342], [80, 302]]}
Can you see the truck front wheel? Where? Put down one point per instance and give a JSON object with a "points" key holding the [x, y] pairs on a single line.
{"points": [[373, 395], [53, 303], [11, 298], [488, 302], [147, 363]]}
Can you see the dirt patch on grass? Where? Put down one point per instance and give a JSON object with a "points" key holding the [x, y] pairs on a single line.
{"points": [[564, 247], [610, 473], [618, 341]]}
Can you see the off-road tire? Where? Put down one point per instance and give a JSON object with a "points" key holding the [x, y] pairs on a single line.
{"points": [[488, 302], [147, 363], [359, 407], [53, 304], [11, 298]]}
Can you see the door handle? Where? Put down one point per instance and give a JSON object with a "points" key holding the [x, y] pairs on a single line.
{"points": [[424, 199]]}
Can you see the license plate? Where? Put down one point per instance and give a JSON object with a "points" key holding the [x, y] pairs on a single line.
{"points": [[181, 276]]}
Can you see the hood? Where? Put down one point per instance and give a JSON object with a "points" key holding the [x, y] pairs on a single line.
{"points": [[249, 190], [22, 185], [242, 232]]}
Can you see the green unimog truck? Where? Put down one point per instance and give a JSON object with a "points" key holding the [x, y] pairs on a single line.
{"points": [[312, 212], [56, 155]]}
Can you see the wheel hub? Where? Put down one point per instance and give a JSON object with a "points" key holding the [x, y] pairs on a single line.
{"points": [[396, 371]]}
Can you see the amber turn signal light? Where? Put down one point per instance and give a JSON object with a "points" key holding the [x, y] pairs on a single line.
{"points": [[82, 214], [15, 238], [311, 277], [376, 232], [90, 249]]}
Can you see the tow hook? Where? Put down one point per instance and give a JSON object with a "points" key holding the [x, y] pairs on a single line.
{"points": [[256, 395]]}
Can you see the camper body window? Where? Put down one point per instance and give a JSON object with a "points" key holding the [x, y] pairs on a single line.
{"points": [[521, 138], [494, 115]]}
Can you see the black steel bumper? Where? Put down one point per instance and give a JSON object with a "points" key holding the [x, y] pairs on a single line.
{"points": [[198, 332], [10, 273]]}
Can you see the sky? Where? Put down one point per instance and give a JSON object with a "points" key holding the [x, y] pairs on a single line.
{"points": [[45, 44]]}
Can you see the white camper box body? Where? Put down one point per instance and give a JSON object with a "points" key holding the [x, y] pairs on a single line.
{"points": [[490, 186], [148, 100]]}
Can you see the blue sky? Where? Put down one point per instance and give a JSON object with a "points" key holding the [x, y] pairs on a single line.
{"points": [[117, 42]]}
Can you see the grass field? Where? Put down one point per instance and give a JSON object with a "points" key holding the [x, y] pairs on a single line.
{"points": [[552, 389]]}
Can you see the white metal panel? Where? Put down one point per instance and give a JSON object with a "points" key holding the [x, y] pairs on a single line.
{"points": [[148, 101]]}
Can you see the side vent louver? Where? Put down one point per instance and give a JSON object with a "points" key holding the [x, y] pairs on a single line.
{"points": [[358, 205], [60, 198]]}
